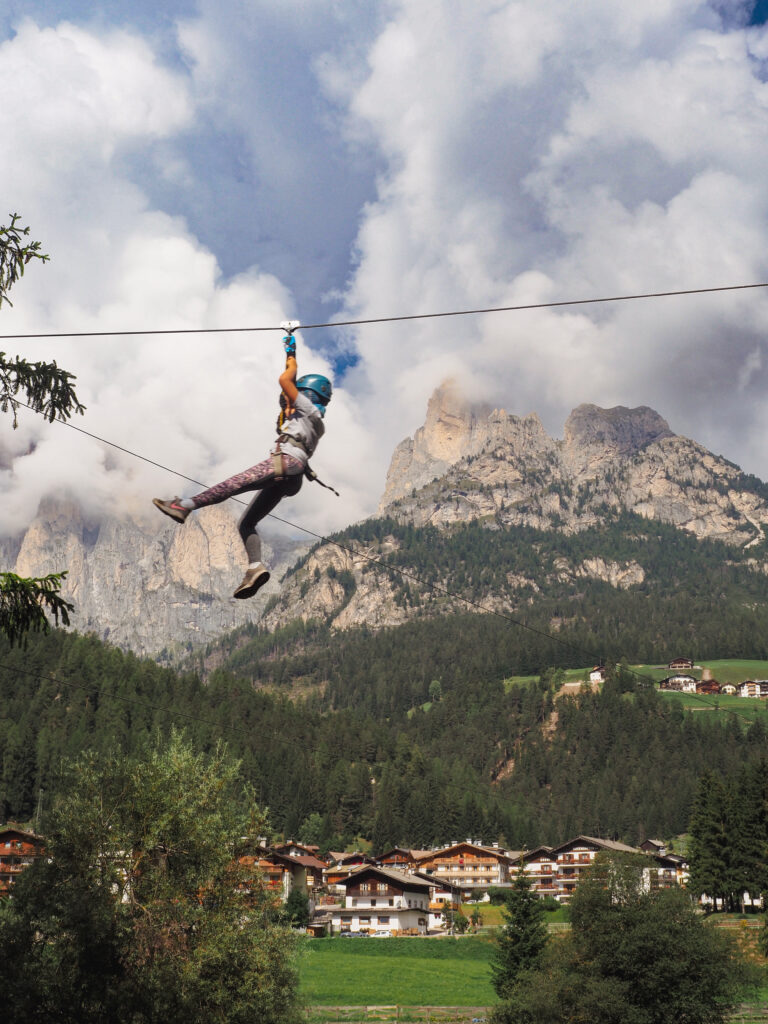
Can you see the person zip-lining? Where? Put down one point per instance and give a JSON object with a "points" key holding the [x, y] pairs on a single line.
{"points": [[299, 428]]}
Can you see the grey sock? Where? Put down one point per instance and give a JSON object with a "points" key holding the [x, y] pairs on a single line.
{"points": [[253, 547]]}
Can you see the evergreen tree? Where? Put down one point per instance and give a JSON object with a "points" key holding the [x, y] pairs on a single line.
{"points": [[523, 937], [710, 849], [48, 390], [633, 955], [750, 834]]}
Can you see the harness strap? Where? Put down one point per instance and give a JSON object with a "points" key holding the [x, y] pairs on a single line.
{"points": [[309, 473]]}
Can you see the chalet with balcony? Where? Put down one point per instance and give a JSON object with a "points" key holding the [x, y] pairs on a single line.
{"points": [[342, 866], [541, 867], [680, 682], [18, 849], [468, 866], [576, 856], [281, 874], [753, 688], [402, 859], [677, 664], [710, 686], [380, 901], [597, 674]]}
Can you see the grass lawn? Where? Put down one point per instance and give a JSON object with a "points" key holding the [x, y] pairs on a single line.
{"points": [[719, 704], [403, 971], [493, 916], [571, 675]]}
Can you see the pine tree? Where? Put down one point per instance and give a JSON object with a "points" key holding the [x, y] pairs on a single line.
{"points": [[710, 848], [48, 390], [523, 937]]}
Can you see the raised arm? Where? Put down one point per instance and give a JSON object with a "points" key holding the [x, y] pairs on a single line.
{"points": [[287, 378]]}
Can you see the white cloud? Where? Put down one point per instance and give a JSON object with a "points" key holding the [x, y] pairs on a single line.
{"points": [[409, 157], [610, 149], [202, 404]]}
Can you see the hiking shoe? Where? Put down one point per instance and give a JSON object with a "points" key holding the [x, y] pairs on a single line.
{"points": [[253, 580], [172, 508]]}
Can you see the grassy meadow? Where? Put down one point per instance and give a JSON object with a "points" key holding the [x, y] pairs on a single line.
{"points": [[730, 670], [403, 971]]}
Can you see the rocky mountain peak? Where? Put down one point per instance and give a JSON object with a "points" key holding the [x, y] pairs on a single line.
{"points": [[450, 424], [145, 584], [619, 430], [454, 429]]}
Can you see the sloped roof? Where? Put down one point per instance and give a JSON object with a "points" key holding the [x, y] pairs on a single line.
{"points": [[400, 877], [17, 830], [494, 851], [604, 844]]}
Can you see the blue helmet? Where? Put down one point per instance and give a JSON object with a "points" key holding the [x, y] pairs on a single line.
{"points": [[318, 388]]}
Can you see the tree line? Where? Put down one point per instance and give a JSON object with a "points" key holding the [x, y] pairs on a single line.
{"points": [[728, 845], [393, 766]]}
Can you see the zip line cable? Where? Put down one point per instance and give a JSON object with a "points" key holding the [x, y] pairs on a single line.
{"points": [[393, 319], [436, 588]]}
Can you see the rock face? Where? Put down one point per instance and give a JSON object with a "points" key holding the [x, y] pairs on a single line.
{"points": [[453, 429], [509, 469], [149, 586]]}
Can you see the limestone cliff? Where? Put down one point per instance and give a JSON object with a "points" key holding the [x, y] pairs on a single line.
{"points": [[510, 470], [149, 586]]}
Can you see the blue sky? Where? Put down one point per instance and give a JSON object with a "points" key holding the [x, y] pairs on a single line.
{"points": [[238, 162]]}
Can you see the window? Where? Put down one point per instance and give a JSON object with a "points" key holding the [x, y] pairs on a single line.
{"points": [[384, 920], [382, 887], [365, 887], [365, 920]]}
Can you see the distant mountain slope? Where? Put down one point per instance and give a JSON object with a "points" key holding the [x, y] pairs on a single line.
{"points": [[144, 584], [384, 573]]}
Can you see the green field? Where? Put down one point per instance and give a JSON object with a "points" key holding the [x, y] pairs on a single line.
{"points": [[403, 971], [743, 707]]}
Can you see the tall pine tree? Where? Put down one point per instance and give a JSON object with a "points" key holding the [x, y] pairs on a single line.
{"points": [[523, 937]]}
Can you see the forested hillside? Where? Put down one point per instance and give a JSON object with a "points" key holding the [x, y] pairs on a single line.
{"points": [[407, 736], [629, 587]]}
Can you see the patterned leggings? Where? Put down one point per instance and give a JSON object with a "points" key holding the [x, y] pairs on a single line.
{"points": [[271, 491]]}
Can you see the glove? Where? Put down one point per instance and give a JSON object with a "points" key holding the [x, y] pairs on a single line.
{"points": [[289, 344]]}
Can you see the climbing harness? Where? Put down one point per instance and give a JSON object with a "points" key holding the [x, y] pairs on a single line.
{"points": [[279, 467]]}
